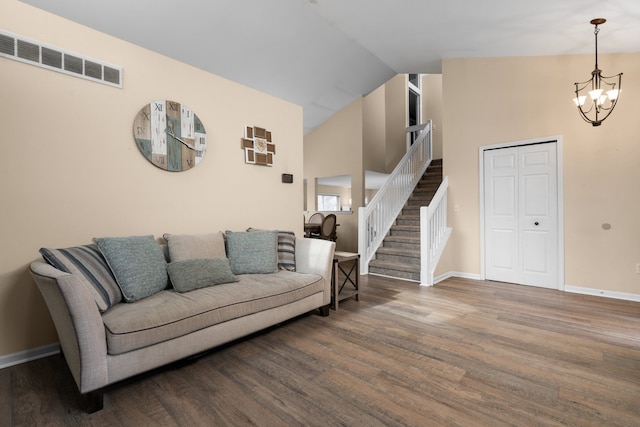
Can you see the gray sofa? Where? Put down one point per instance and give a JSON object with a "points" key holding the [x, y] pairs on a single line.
{"points": [[105, 344]]}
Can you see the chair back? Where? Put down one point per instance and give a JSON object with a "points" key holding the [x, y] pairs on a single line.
{"points": [[316, 218], [328, 229]]}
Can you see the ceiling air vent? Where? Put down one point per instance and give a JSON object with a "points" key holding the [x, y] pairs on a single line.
{"points": [[29, 51], [52, 58], [7, 45]]}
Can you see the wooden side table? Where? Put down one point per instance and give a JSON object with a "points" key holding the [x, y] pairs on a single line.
{"points": [[338, 291]]}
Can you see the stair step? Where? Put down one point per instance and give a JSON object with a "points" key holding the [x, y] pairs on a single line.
{"points": [[433, 169], [410, 210], [420, 201], [408, 220], [405, 230], [399, 255], [402, 242], [428, 185], [401, 271], [431, 182], [427, 191]]}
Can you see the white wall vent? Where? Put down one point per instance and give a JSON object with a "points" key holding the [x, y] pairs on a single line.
{"points": [[42, 55]]}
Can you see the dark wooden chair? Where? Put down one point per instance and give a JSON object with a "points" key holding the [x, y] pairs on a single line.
{"points": [[316, 218], [328, 229]]}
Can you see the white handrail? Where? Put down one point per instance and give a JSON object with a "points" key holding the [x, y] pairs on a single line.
{"points": [[375, 220], [434, 233]]}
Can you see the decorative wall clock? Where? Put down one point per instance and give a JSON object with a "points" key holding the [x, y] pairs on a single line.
{"points": [[170, 135], [258, 147]]}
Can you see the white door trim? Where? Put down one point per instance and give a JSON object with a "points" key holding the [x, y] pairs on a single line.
{"points": [[560, 169]]}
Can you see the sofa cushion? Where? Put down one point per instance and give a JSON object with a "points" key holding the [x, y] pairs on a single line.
{"points": [[286, 249], [191, 246], [168, 314], [138, 264], [190, 274], [252, 252], [87, 261]]}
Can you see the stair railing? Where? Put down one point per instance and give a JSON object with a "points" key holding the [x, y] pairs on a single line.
{"points": [[434, 233], [375, 220]]}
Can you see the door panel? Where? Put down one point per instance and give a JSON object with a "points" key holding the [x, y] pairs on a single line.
{"points": [[535, 195], [534, 243], [504, 206], [504, 242]]}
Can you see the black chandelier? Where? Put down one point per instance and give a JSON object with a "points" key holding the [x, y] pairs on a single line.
{"points": [[603, 92]]}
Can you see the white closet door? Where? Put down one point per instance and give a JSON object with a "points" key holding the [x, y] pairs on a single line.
{"points": [[521, 215], [501, 214]]}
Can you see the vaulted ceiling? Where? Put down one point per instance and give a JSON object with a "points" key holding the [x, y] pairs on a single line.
{"points": [[323, 54]]}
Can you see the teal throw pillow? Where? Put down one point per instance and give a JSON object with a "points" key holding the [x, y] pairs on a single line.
{"points": [[189, 274], [254, 252], [286, 249], [138, 264]]}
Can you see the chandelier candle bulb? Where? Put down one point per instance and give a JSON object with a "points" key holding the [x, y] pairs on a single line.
{"points": [[595, 94], [580, 100]]}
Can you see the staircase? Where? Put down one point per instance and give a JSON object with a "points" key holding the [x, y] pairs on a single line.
{"points": [[399, 254]]}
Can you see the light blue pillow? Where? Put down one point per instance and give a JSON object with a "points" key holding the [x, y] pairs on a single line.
{"points": [[286, 249], [138, 264], [254, 252], [189, 274]]}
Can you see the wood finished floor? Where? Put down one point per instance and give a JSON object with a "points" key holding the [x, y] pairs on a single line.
{"points": [[463, 353]]}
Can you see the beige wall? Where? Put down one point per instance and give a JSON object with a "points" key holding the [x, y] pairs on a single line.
{"points": [[374, 131], [335, 148], [72, 171], [498, 100], [385, 122], [396, 100], [432, 109]]}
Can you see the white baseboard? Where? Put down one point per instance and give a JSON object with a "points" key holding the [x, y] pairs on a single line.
{"points": [[29, 355], [602, 293], [449, 274]]}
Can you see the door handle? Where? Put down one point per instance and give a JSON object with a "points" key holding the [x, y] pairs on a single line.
{"points": [[536, 223]]}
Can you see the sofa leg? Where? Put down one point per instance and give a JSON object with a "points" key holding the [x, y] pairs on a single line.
{"points": [[324, 310], [92, 402]]}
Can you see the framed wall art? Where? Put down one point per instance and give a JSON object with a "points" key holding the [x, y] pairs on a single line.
{"points": [[258, 146]]}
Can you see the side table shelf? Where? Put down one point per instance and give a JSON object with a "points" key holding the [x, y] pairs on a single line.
{"points": [[351, 277]]}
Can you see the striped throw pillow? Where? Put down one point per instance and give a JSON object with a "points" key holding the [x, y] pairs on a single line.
{"points": [[287, 250], [87, 261]]}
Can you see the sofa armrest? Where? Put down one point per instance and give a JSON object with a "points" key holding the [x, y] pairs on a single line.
{"points": [[315, 256], [78, 323]]}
